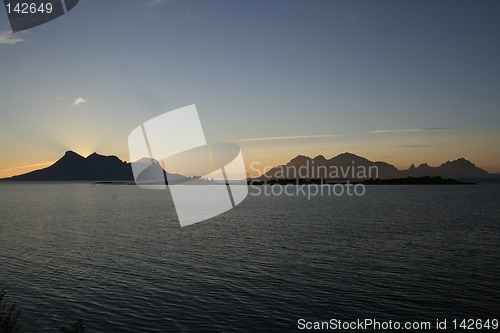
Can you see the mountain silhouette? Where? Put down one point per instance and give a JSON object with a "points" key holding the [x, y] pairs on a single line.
{"points": [[95, 167], [351, 166], [460, 168]]}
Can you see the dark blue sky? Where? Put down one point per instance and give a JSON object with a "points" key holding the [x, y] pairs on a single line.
{"points": [[403, 81]]}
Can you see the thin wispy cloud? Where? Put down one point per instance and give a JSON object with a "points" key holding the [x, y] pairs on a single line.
{"points": [[190, 18], [79, 101], [409, 130], [424, 146], [158, 2], [289, 137], [8, 38]]}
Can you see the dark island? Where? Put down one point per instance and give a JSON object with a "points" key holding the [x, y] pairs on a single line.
{"points": [[426, 180], [416, 181]]}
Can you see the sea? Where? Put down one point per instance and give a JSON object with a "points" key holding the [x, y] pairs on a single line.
{"points": [[116, 257]]}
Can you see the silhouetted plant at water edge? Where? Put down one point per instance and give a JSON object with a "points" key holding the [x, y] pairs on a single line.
{"points": [[8, 316]]}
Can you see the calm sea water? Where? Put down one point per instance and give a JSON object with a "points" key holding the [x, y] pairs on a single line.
{"points": [[116, 257]]}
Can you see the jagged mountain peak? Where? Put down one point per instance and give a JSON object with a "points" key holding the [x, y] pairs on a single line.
{"points": [[347, 154], [319, 158], [74, 167], [460, 161], [299, 159], [72, 154], [349, 158], [94, 155]]}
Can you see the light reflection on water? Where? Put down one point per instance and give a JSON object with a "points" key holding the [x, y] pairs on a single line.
{"points": [[116, 256]]}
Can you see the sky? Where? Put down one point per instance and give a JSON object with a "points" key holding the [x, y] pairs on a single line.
{"points": [[406, 82]]}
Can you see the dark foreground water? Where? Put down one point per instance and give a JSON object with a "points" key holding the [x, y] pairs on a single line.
{"points": [[116, 257]]}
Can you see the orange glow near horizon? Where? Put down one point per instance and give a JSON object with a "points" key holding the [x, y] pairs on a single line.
{"points": [[22, 169], [257, 159]]}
